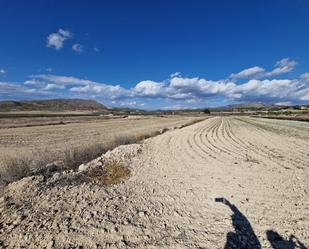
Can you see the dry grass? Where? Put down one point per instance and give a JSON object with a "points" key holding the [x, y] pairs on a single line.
{"points": [[113, 172], [191, 122], [79, 155], [14, 168], [18, 161]]}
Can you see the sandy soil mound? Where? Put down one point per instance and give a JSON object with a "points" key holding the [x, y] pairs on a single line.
{"points": [[221, 183]]}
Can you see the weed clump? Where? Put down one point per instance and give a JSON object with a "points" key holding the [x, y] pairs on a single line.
{"points": [[113, 172]]}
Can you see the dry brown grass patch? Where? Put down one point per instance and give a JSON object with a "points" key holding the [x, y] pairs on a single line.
{"points": [[113, 172], [12, 168]]}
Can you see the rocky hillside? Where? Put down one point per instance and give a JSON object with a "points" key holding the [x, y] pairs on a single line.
{"points": [[52, 105]]}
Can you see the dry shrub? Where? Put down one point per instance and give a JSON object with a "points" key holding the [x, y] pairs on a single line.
{"points": [[15, 167], [74, 157], [12, 168], [113, 172]]}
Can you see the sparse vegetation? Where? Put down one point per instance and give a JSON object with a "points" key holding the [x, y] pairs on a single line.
{"points": [[14, 166], [79, 155], [191, 123], [112, 173]]}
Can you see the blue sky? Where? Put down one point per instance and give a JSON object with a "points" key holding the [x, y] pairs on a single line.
{"points": [[156, 54]]}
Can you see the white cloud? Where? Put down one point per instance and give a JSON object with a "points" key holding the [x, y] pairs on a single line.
{"points": [[277, 89], [65, 33], [60, 79], [176, 74], [35, 83], [176, 90], [78, 86], [77, 48], [184, 89], [56, 40], [304, 78], [53, 86], [200, 87], [132, 104], [148, 88], [249, 72], [9, 90], [283, 66], [2, 71]]}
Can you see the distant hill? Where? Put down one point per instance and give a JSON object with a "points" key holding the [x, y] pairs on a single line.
{"points": [[253, 105], [245, 106], [52, 105]]}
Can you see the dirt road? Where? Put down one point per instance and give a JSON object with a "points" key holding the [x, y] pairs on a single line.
{"points": [[225, 182]]}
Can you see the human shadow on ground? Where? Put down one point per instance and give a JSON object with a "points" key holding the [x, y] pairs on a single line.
{"points": [[244, 237], [278, 242]]}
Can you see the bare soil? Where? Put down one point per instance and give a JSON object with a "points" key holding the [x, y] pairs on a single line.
{"points": [[41, 144], [225, 182]]}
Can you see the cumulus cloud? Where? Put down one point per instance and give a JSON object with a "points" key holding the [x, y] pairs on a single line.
{"points": [[12, 90], [197, 88], [77, 48], [304, 78], [2, 71], [249, 72], [276, 89], [283, 66], [77, 85], [56, 40], [175, 91], [148, 88]]}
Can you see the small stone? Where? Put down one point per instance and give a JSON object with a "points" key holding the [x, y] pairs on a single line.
{"points": [[82, 167], [50, 244], [141, 214]]}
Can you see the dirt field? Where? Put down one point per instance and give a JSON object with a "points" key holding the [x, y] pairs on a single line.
{"points": [[12, 122], [221, 183], [304, 117], [58, 137], [41, 144]]}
